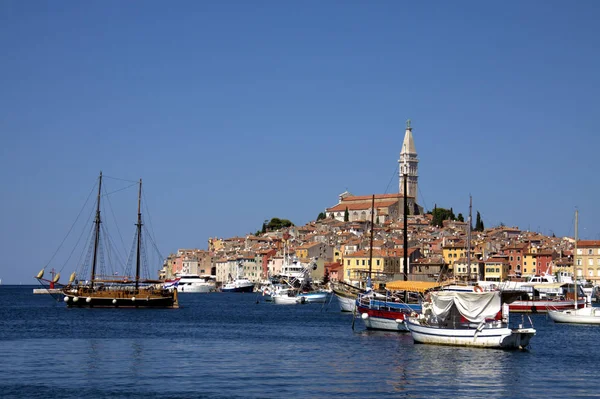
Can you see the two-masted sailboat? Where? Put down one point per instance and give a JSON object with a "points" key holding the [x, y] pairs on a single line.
{"points": [[115, 290]]}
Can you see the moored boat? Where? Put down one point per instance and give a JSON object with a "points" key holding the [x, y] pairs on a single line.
{"points": [[115, 290], [193, 283], [477, 319], [239, 284], [577, 315]]}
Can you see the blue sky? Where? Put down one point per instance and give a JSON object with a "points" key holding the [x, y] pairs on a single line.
{"points": [[234, 112]]}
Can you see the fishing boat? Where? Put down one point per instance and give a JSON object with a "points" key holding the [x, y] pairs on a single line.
{"points": [[239, 284], [476, 319], [115, 290], [577, 315], [297, 290]]}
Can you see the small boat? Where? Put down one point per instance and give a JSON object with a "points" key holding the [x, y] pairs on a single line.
{"points": [[346, 295], [389, 312], [193, 283], [287, 296], [115, 290], [476, 319], [577, 315], [314, 296]]}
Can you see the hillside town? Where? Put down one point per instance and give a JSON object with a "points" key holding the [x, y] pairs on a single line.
{"points": [[357, 229]]}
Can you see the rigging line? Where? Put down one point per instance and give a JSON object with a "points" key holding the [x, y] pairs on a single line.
{"points": [[72, 226], [154, 245], [78, 240], [85, 248], [111, 249], [147, 212], [115, 218], [392, 178], [118, 178], [121, 189], [426, 208]]}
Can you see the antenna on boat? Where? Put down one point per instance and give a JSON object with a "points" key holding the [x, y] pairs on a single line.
{"points": [[575, 259], [405, 244], [369, 282], [469, 237]]}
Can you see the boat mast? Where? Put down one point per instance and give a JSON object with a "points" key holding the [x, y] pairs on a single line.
{"points": [[575, 259], [97, 235], [371, 246], [405, 257], [139, 239], [469, 237]]}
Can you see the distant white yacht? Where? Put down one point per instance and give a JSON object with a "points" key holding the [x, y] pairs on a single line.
{"points": [[193, 283]]}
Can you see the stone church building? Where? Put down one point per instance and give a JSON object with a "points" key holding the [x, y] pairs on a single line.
{"points": [[388, 207]]}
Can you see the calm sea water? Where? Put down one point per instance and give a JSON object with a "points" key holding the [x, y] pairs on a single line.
{"points": [[228, 346]]}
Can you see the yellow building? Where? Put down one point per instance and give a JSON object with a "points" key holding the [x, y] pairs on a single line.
{"points": [[453, 252], [496, 268], [588, 260], [530, 262], [386, 264]]}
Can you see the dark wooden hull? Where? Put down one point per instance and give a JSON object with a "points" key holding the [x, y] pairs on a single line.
{"points": [[121, 299]]}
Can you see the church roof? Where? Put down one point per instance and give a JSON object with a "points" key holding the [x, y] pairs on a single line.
{"points": [[360, 206]]}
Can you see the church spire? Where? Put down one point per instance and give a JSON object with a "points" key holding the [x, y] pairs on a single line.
{"points": [[408, 163]]}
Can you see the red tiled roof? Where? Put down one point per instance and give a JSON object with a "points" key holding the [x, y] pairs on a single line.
{"points": [[359, 206], [588, 243]]}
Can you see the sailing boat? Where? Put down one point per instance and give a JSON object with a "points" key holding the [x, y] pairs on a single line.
{"points": [[585, 315], [116, 291]]}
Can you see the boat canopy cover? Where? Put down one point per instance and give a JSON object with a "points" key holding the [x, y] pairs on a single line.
{"points": [[412, 286], [549, 286], [473, 306]]}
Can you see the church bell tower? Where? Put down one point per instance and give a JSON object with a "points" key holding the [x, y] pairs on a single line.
{"points": [[408, 165]]}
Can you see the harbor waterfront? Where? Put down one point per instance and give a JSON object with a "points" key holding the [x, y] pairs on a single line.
{"points": [[226, 345]]}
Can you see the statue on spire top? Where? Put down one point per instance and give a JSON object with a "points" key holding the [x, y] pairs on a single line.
{"points": [[408, 124]]}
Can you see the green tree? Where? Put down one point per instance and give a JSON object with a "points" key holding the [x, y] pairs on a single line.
{"points": [[441, 214], [479, 223], [326, 276], [460, 217], [277, 224], [346, 215], [321, 216]]}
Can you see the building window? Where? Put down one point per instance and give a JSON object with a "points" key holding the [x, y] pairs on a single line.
{"points": [[578, 262], [590, 262], [524, 270], [589, 252], [363, 262], [377, 262], [511, 258], [518, 258]]}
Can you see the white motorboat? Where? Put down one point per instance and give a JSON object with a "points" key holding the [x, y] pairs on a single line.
{"points": [[477, 319], [314, 296], [193, 283], [287, 296]]}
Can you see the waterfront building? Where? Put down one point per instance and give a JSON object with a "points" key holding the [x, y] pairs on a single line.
{"points": [[496, 268], [588, 260], [388, 264], [515, 252]]}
